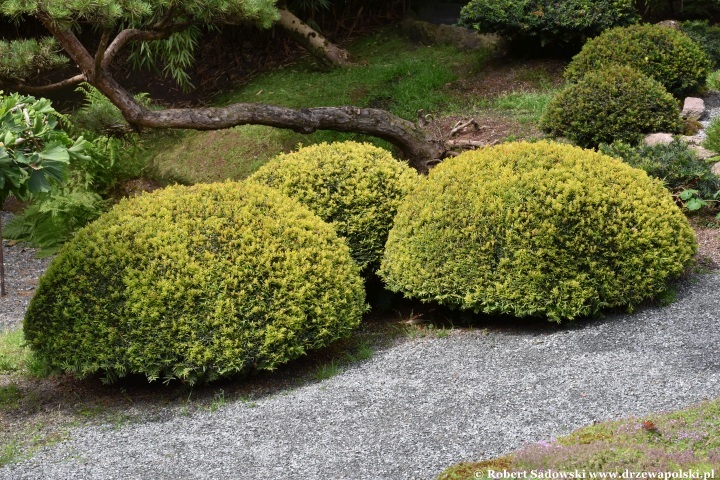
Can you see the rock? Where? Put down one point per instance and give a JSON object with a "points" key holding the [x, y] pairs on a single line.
{"points": [[716, 169], [674, 24], [451, 35], [702, 152], [658, 139], [419, 31], [467, 40], [691, 140], [694, 108]]}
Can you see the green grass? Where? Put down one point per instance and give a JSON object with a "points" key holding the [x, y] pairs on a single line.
{"points": [[527, 107], [16, 358], [360, 351], [363, 352], [9, 396], [205, 157], [217, 401], [12, 354], [396, 75], [26, 440], [687, 439], [327, 370], [713, 80], [9, 452]]}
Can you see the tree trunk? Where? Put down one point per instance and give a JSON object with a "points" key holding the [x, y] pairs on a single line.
{"points": [[420, 149], [318, 46], [415, 144]]}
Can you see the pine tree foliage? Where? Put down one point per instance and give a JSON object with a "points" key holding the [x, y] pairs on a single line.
{"points": [[96, 34], [174, 22]]}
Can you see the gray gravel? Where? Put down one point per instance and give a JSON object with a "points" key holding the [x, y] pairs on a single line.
{"points": [[22, 271], [420, 406], [712, 111]]}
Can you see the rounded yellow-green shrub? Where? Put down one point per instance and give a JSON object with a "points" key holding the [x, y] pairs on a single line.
{"points": [[615, 103], [536, 229], [664, 54], [195, 283], [356, 187]]}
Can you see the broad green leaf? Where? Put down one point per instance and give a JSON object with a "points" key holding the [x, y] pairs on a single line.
{"points": [[55, 152], [21, 158], [54, 170], [44, 106], [687, 194], [77, 149], [695, 204], [16, 176], [38, 183]]}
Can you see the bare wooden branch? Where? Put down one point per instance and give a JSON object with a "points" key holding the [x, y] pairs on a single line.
{"points": [[469, 143], [131, 35], [415, 143], [318, 46], [41, 89], [100, 53], [462, 125]]}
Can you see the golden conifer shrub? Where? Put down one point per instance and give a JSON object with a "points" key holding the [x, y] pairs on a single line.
{"points": [[536, 229], [195, 283], [356, 187]]}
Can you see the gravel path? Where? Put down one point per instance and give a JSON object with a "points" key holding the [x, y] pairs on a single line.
{"points": [[416, 408], [22, 271]]}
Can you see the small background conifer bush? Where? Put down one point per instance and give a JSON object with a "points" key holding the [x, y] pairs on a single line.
{"points": [[549, 22], [609, 104], [662, 53]]}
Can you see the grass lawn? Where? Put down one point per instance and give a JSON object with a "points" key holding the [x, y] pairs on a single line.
{"points": [[687, 440], [395, 75]]}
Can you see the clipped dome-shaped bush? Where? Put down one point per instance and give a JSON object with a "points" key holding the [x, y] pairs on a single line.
{"points": [[615, 103], [547, 21], [664, 54], [356, 187], [536, 229], [195, 283]]}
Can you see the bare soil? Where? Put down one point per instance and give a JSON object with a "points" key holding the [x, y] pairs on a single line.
{"points": [[498, 78], [707, 234], [512, 75]]}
